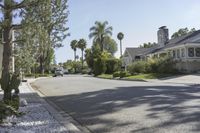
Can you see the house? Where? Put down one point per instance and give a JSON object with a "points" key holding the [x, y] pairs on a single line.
{"points": [[1, 57], [185, 50]]}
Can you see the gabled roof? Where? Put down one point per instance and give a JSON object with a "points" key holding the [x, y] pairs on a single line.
{"points": [[193, 37], [136, 51]]}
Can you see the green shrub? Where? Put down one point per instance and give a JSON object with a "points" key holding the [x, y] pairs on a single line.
{"points": [[162, 65], [124, 74], [11, 108], [159, 65], [121, 74], [99, 66], [112, 65], [138, 67], [116, 74]]}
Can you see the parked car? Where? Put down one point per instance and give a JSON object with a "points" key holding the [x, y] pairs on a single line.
{"points": [[65, 71], [59, 72]]}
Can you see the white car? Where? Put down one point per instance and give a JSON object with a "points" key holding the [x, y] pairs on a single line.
{"points": [[59, 72]]}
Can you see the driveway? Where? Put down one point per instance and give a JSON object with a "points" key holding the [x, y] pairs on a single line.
{"points": [[183, 79], [111, 106]]}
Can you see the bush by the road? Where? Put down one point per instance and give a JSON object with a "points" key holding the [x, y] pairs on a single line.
{"points": [[121, 74], [158, 65], [99, 66], [112, 65]]}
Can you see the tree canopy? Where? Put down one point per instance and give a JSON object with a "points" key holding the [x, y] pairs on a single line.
{"points": [[182, 31], [147, 45]]}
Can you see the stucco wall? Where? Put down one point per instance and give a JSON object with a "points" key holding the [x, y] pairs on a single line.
{"points": [[1, 56]]}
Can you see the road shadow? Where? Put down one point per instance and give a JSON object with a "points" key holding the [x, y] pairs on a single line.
{"points": [[88, 108]]}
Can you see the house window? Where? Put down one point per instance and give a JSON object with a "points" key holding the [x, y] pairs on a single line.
{"points": [[137, 57], [174, 54], [197, 50], [182, 52], [191, 52], [178, 53]]}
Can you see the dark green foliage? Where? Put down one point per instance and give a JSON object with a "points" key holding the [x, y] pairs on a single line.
{"points": [[99, 66], [8, 83], [121, 74], [147, 45], [138, 67], [112, 65], [116, 74], [124, 74], [182, 32], [8, 109], [162, 65]]}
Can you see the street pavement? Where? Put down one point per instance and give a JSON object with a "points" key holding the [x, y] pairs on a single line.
{"points": [[113, 106]]}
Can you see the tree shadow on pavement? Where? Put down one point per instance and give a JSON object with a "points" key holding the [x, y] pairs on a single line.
{"points": [[145, 109]]}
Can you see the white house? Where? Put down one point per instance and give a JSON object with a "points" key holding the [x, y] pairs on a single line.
{"points": [[185, 50]]}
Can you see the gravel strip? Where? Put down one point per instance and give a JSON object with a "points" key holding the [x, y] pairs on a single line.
{"points": [[36, 119]]}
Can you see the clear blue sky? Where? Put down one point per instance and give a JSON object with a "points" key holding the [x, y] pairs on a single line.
{"points": [[137, 19]]}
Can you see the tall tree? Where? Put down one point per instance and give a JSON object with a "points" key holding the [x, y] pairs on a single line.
{"points": [[8, 8], [99, 32], [73, 45], [11, 8], [51, 17], [110, 45], [182, 31], [82, 45]]}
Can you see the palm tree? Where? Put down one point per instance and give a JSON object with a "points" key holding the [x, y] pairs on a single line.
{"points": [[99, 32], [120, 36], [74, 46], [82, 45]]}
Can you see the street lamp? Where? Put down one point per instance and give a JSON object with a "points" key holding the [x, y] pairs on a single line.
{"points": [[120, 36]]}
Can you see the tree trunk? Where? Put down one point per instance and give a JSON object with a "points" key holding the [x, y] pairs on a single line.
{"points": [[74, 55], [41, 65], [82, 59], [7, 37], [121, 48]]}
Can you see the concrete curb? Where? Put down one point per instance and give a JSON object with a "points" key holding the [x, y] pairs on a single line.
{"points": [[123, 79], [63, 118]]}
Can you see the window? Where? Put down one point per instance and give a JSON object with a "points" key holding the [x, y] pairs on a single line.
{"points": [[178, 53], [197, 50], [137, 57], [182, 52], [191, 52], [174, 54]]}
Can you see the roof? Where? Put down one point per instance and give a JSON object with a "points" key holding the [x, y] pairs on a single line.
{"points": [[193, 37], [136, 51]]}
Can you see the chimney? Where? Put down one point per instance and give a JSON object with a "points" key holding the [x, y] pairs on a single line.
{"points": [[163, 36]]}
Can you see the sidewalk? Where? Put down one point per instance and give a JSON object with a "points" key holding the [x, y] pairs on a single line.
{"points": [[39, 116]]}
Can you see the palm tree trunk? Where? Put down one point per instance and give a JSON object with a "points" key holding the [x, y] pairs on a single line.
{"points": [[74, 55], [7, 37], [82, 59], [121, 48]]}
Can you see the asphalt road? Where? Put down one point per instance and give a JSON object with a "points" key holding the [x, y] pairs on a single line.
{"points": [[111, 106]]}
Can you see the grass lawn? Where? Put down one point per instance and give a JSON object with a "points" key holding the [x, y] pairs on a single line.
{"points": [[149, 76], [105, 76]]}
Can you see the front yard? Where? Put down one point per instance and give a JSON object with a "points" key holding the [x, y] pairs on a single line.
{"points": [[138, 76]]}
